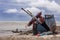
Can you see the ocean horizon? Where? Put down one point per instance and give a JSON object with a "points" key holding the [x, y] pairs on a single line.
{"points": [[12, 25]]}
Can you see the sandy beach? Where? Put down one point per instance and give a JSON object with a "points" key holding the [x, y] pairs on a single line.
{"points": [[16, 36], [29, 37]]}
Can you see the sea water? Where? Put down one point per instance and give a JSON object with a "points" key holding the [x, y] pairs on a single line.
{"points": [[6, 27]]}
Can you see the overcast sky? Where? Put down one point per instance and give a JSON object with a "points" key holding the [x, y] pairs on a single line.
{"points": [[10, 10]]}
